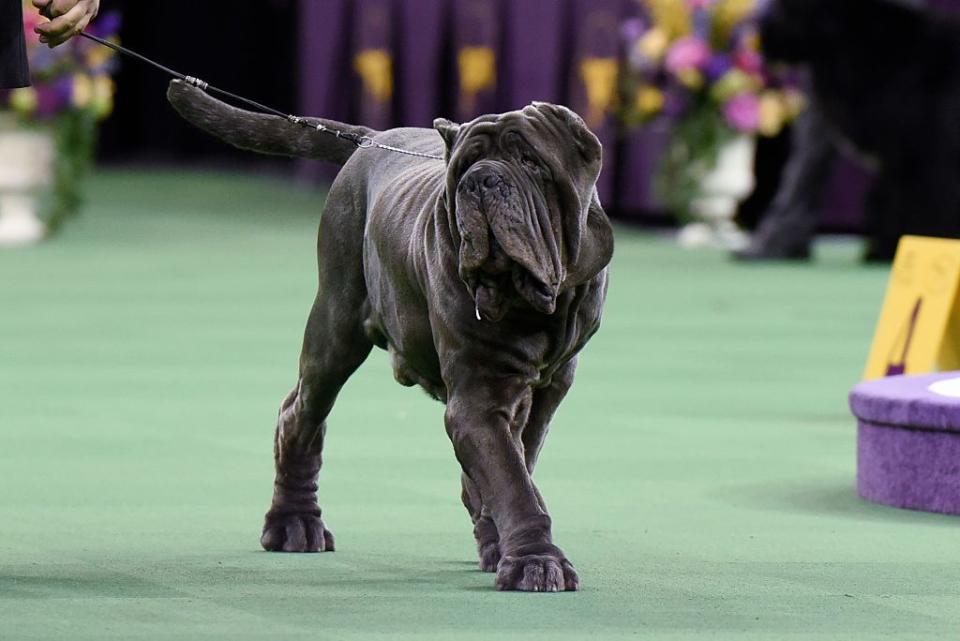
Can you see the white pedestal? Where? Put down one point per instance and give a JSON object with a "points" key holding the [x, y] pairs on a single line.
{"points": [[721, 190], [26, 167]]}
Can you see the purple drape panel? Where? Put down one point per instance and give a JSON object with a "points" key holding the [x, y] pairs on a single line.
{"points": [[420, 61], [325, 76], [373, 61], [593, 77], [477, 26], [536, 54], [404, 62]]}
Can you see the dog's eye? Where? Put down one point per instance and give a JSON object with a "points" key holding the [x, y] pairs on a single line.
{"points": [[529, 161]]}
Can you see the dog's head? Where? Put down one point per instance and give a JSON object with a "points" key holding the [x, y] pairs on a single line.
{"points": [[799, 31], [520, 188]]}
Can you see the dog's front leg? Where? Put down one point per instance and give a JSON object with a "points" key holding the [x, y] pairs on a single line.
{"points": [[480, 414]]}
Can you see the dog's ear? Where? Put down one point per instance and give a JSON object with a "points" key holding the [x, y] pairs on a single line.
{"points": [[587, 143], [448, 131], [595, 248]]}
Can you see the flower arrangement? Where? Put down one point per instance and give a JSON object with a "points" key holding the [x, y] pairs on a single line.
{"points": [[697, 64], [72, 90]]}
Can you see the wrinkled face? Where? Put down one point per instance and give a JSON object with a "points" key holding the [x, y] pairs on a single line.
{"points": [[519, 186]]}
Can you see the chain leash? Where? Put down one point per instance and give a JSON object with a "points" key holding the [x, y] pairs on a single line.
{"points": [[362, 142]]}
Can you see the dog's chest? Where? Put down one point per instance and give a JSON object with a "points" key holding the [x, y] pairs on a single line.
{"points": [[526, 342]]}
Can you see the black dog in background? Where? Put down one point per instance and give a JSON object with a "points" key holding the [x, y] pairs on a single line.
{"points": [[885, 79]]}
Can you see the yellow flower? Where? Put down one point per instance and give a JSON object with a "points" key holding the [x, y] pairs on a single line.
{"points": [[672, 17], [752, 41], [773, 113], [690, 78], [732, 83], [103, 89], [653, 44], [794, 102], [24, 101], [82, 92], [649, 100], [728, 14], [98, 56]]}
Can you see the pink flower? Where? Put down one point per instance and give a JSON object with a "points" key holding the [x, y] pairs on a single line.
{"points": [[748, 60], [687, 53], [742, 112], [31, 19]]}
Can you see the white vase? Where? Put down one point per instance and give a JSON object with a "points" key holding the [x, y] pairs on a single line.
{"points": [[26, 168], [722, 189]]}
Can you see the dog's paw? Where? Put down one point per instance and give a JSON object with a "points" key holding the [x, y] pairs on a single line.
{"points": [[489, 556], [549, 572], [295, 532]]}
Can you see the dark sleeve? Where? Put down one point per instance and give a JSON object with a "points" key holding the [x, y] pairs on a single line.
{"points": [[13, 48]]}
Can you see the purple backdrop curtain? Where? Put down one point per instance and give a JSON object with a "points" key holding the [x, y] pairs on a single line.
{"points": [[325, 77], [404, 62], [420, 60], [534, 43], [373, 61], [477, 54]]}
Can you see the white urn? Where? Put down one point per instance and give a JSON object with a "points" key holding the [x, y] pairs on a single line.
{"points": [[722, 189], [26, 169]]}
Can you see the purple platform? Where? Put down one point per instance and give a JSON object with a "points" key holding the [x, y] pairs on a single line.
{"points": [[908, 441]]}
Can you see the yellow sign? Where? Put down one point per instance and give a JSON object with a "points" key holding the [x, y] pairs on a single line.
{"points": [[478, 72], [375, 67], [600, 79], [920, 321]]}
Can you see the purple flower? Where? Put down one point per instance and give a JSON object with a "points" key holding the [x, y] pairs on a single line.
{"points": [[677, 101], [632, 29], [53, 98], [717, 66], [702, 23], [742, 112], [687, 53], [106, 25]]}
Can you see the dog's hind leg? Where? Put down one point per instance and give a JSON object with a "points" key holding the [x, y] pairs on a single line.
{"points": [[334, 346]]}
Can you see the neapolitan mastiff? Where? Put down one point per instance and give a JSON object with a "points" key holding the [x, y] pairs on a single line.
{"points": [[483, 275]]}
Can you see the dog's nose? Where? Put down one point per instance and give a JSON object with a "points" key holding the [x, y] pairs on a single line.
{"points": [[483, 180], [489, 180]]}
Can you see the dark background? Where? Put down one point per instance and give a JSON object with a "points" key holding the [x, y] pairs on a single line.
{"points": [[249, 48]]}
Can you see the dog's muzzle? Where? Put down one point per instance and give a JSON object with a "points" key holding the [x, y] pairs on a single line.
{"points": [[509, 249]]}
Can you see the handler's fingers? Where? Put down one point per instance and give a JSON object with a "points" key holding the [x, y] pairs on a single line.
{"points": [[63, 28], [62, 7], [40, 4]]}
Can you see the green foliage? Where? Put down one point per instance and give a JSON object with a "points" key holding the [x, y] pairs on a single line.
{"points": [[75, 135], [693, 151]]}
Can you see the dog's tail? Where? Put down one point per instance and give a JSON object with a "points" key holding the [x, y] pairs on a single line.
{"points": [[261, 132]]}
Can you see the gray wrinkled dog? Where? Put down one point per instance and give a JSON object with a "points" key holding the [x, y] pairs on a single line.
{"points": [[483, 276]]}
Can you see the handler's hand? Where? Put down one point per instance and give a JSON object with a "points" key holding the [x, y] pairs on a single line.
{"points": [[69, 17]]}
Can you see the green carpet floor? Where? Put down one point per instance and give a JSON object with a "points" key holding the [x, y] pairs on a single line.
{"points": [[700, 474]]}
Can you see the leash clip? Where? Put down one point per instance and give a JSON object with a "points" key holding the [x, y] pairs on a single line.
{"points": [[196, 82]]}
